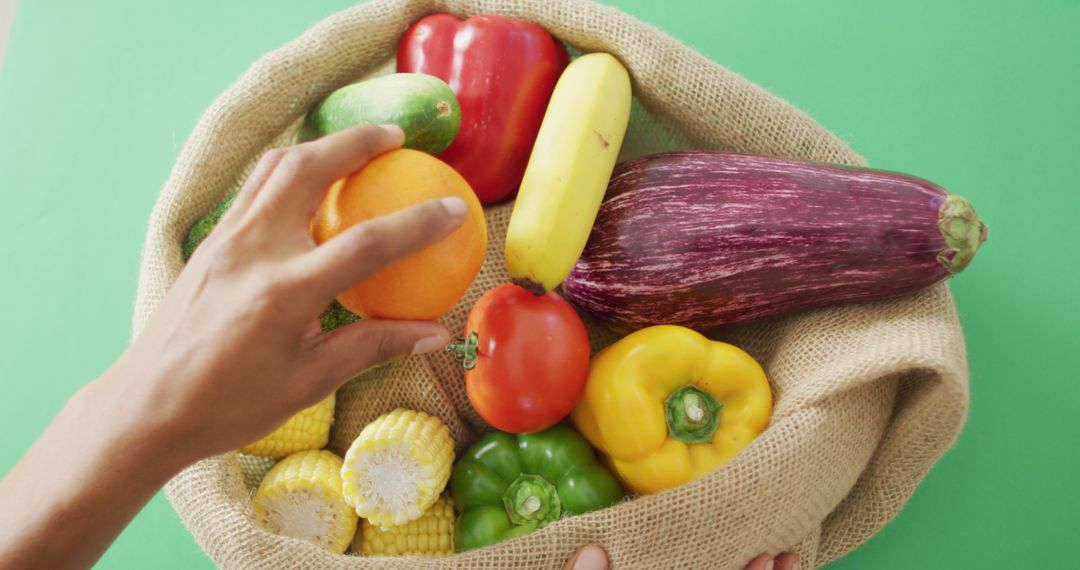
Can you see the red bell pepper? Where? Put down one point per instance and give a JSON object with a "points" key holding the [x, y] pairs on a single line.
{"points": [[502, 71]]}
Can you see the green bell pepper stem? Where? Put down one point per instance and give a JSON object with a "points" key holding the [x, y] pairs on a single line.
{"points": [[530, 499], [509, 485]]}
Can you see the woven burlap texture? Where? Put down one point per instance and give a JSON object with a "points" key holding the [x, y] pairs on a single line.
{"points": [[868, 396]]}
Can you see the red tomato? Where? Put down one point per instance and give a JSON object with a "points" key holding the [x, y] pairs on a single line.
{"points": [[527, 359]]}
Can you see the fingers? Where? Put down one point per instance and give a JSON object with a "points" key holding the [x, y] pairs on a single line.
{"points": [[762, 562], [591, 557], [594, 558], [365, 248], [246, 195], [350, 350], [785, 561], [304, 172]]}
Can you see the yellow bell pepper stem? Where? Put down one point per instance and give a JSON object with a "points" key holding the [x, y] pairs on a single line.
{"points": [[692, 415], [665, 405]]}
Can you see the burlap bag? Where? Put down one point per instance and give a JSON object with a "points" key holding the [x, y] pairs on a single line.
{"points": [[868, 396]]}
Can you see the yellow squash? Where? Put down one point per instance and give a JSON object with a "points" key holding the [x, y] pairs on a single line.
{"points": [[665, 405], [568, 171]]}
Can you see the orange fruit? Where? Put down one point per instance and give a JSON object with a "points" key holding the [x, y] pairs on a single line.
{"points": [[428, 283]]}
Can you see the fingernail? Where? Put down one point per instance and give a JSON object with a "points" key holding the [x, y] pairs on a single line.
{"points": [[590, 558], [456, 207], [795, 565], [431, 343], [395, 131], [769, 564]]}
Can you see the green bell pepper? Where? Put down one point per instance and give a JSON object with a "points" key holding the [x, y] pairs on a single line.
{"points": [[509, 485]]}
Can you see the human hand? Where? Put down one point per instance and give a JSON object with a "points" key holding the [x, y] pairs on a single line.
{"points": [[232, 351], [235, 348], [783, 561], [593, 557]]}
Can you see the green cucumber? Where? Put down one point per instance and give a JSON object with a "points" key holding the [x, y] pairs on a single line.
{"points": [[422, 105]]}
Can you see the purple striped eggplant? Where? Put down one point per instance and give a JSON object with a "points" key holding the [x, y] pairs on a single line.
{"points": [[706, 239]]}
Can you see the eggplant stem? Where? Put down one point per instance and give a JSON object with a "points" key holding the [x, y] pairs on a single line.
{"points": [[963, 232]]}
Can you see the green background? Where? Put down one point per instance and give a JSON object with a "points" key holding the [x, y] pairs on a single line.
{"points": [[96, 99]]}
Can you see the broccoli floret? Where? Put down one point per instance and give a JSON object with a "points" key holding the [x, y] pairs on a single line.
{"points": [[335, 316], [203, 226]]}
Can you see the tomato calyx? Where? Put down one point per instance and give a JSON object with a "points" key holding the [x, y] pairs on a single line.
{"points": [[466, 349]]}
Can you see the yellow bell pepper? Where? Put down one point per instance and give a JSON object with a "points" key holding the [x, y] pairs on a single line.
{"points": [[665, 405]]}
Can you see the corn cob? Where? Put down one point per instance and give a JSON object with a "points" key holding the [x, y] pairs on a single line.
{"points": [[301, 497], [430, 535], [308, 429], [397, 467]]}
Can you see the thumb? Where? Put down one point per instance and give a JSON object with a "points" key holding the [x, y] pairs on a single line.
{"points": [[591, 557], [346, 352]]}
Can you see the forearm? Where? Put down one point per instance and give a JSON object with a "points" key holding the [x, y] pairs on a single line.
{"points": [[81, 482]]}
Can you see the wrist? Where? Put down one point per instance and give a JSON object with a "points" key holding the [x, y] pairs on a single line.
{"points": [[117, 424]]}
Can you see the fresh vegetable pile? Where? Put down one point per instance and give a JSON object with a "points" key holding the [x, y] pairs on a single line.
{"points": [[663, 249]]}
